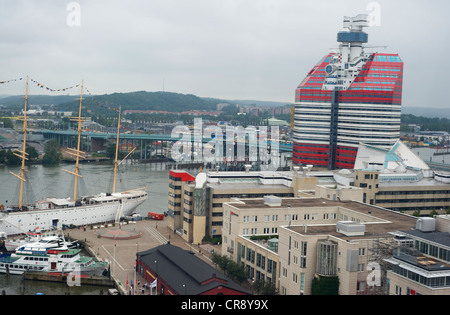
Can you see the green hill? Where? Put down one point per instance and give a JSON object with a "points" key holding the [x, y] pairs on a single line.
{"points": [[18, 101], [166, 101]]}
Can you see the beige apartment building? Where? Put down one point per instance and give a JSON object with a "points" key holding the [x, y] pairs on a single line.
{"points": [[423, 267], [196, 203], [407, 192], [306, 238]]}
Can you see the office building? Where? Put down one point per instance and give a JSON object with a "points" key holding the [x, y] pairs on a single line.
{"points": [[395, 178], [348, 97], [422, 265], [292, 241], [195, 203]]}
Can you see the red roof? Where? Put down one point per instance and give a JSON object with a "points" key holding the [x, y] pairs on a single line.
{"points": [[184, 176]]}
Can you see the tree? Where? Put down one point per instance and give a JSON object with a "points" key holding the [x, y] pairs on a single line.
{"points": [[323, 285], [111, 153], [236, 271], [2, 156], [221, 261], [11, 158], [32, 153], [264, 288], [229, 267], [7, 123], [52, 153]]}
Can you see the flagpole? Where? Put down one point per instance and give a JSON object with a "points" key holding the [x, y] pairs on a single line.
{"points": [[135, 266], [114, 266]]}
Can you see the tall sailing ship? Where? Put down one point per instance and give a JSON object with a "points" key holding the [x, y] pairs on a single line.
{"points": [[53, 213]]}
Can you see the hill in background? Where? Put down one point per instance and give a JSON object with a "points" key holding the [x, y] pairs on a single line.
{"points": [[167, 101], [427, 112], [140, 100], [17, 101]]}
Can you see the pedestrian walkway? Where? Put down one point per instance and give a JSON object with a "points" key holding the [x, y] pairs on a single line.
{"points": [[121, 253], [156, 234]]}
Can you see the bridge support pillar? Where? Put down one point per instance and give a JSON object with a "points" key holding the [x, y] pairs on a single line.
{"points": [[98, 144]]}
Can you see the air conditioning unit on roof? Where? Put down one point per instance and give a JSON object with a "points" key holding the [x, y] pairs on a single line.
{"points": [[350, 228], [426, 224], [272, 201]]}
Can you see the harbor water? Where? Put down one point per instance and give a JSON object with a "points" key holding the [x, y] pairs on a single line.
{"points": [[43, 182], [53, 181], [427, 155]]}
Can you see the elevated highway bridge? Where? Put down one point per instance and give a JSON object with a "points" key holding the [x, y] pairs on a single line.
{"points": [[99, 141]]}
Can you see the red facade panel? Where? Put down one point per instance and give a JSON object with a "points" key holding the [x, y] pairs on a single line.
{"points": [[184, 176], [344, 165]]}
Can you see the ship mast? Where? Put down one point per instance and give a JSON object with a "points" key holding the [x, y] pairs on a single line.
{"points": [[77, 153], [116, 164], [23, 153], [116, 161]]}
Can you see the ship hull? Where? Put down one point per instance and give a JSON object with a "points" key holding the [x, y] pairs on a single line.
{"points": [[15, 223]]}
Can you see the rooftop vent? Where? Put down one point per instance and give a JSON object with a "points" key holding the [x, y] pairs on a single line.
{"points": [[272, 201], [426, 224], [350, 228]]}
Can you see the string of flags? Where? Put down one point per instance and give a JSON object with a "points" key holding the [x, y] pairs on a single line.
{"points": [[12, 80], [43, 86], [97, 102], [40, 85]]}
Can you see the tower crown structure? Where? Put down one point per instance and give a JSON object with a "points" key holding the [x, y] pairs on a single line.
{"points": [[348, 97], [353, 30], [345, 66]]}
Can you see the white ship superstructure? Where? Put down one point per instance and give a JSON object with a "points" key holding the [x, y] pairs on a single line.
{"points": [[59, 212]]}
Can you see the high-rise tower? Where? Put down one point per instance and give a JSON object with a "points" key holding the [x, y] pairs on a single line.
{"points": [[348, 97]]}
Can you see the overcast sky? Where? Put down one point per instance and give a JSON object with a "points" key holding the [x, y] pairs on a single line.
{"points": [[231, 49]]}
